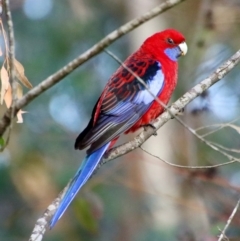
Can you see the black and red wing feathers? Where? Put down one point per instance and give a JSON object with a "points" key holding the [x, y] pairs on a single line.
{"points": [[124, 86], [116, 111]]}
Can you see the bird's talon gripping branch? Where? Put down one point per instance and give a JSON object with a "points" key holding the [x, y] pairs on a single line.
{"points": [[181, 112], [152, 126], [126, 104], [178, 114]]}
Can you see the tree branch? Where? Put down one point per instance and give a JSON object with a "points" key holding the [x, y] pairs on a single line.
{"points": [[223, 236], [175, 108], [208, 143], [11, 40], [96, 49], [185, 166], [12, 74]]}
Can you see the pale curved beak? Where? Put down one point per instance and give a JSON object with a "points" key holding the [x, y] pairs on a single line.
{"points": [[183, 48]]}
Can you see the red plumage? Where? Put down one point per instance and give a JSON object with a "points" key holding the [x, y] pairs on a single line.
{"points": [[169, 68], [123, 86]]}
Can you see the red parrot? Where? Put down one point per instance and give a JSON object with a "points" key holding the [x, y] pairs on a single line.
{"points": [[125, 105]]}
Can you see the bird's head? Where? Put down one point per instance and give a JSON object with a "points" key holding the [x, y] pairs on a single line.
{"points": [[169, 42]]}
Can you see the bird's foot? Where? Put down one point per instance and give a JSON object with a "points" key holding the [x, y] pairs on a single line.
{"points": [[181, 112], [152, 126]]}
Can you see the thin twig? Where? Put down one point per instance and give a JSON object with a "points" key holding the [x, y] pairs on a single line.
{"points": [[222, 236], [96, 49], [225, 148], [186, 167], [11, 65], [11, 39], [218, 127]]}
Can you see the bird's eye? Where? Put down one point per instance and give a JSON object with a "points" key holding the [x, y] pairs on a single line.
{"points": [[170, 41]]}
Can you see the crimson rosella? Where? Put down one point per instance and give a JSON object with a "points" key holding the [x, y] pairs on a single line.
{"points": [[125, 104]]}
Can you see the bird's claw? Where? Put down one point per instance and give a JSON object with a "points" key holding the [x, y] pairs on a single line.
{"points": [[152, 126], [179, 113]]}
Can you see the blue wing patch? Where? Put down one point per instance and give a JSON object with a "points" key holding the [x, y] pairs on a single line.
{"points": [[155, 84]]}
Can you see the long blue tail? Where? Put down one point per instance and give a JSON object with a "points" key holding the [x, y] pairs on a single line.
{"points": [[85, 171]]}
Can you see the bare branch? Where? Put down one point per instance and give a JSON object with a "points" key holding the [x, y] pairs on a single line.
{"points": [[225, 148], [11, 39], [42, 222], [11, 63], [217, 127], [222, 236], [175, 108], [187, 167], [96, 49], [208, 143]]}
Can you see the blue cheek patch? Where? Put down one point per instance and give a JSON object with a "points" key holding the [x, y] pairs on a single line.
{"points": [[172, 53]]}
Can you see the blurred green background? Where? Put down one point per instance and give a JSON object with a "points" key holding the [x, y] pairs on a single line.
{"points": [[136, 197]]}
